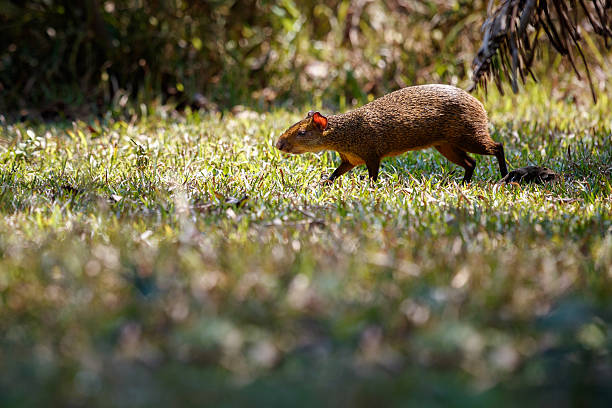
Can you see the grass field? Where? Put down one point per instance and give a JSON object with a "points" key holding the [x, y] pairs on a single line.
{"points": [[178, 260]]}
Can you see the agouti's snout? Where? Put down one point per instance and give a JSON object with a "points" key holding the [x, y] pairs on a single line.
{"points": [[282, 145]]}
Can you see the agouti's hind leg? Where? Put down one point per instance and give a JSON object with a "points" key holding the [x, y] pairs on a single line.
{"points": [[499, 153], [459, 157], [489, 147]]}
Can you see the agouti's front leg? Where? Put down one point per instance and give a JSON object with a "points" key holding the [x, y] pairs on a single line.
{"points": [[342, 168]]}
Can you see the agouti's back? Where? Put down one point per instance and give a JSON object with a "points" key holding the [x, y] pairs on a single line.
{"points": [[417, 117]]}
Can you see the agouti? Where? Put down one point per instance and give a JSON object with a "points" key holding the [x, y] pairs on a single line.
{"points": [[413, 118]]}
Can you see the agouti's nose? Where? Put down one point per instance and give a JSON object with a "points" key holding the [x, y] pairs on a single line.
{"points": [[281, 144]]}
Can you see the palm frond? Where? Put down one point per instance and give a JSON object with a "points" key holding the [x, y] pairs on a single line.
{"points": [[511, 36]]}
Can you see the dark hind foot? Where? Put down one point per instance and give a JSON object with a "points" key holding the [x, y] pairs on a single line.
{"points": [[499, 153], [469, 170]]}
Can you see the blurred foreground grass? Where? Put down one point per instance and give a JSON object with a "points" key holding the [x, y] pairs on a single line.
{"points": [[181, 260]]}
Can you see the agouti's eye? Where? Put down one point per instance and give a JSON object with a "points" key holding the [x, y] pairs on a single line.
{"points": [[301, 132]]}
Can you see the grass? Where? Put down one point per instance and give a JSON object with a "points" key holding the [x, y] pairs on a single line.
{"points": [[181, 260]]}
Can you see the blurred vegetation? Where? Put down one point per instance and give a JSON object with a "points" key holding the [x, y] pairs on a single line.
{"points": [[59, 56]]}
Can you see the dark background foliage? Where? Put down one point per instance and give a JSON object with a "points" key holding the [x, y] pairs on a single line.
{"points": [[58, 56]]}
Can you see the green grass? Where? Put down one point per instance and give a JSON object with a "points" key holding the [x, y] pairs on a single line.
{"points": [[183, 260]]}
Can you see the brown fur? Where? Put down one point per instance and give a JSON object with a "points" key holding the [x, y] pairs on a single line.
{"points": [[440, 116]]}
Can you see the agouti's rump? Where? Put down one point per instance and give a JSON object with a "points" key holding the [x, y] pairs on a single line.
{"points": [[440, 116]]}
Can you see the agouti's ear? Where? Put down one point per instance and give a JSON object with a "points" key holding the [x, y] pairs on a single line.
{"points": [[320, 121]]}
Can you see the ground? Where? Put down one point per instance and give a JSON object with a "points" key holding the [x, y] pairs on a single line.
{"points": [[179, 259]]}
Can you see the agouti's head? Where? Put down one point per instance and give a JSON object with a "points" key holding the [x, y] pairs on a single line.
{"points": [[304, 136]]}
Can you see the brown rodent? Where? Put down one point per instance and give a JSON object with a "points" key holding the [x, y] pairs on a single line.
{"points": [[412, 118]]}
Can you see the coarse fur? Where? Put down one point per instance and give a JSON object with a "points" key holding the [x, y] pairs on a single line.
{"points": [[413, 118]]}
